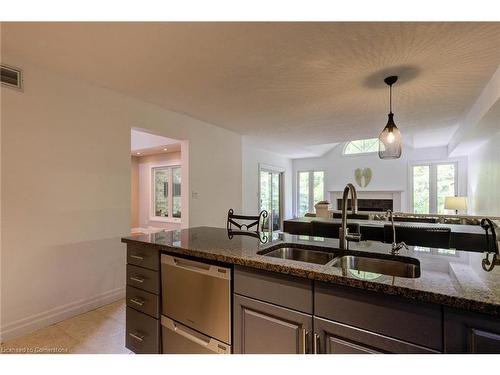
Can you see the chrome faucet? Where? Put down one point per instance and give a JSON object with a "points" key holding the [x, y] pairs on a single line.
{"points": [[395, 246], [344, 235]]}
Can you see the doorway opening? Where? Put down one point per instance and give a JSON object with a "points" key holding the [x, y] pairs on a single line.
{"points": [[271, 196], [156, 183]]}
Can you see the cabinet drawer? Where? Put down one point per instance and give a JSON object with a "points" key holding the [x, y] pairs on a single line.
{"points": [[283, 290], [143, 278], [337, 338], [142, 333], [145, 302], [391, 316], [143, 257]]}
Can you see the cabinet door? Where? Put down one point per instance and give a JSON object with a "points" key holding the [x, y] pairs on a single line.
{"points": [[471, 333], [336, 338], [263, 328]]}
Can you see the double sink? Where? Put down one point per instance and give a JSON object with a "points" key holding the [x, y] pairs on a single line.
{"points": [[397, 266]]}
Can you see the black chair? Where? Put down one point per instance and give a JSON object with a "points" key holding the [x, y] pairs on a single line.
{"points": [[252, 221], [330, 230], [358, 216], [419, 236], [429, 220]]}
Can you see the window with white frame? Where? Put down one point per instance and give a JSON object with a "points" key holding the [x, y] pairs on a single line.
{"points": [[361, 146], [166, 193], [431, 183], [310, 190]]}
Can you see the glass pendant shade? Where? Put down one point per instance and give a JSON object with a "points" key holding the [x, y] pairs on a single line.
{"points": [[390, 141]]}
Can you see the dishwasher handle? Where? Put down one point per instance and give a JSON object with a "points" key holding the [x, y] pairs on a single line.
{"points": [[193, 266], [198, 338]]}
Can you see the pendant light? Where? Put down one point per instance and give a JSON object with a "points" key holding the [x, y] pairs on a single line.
{"points": [[390, 139]]}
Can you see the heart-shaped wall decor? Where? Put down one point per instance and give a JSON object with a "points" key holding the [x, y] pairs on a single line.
{"points": [[363, 176]]}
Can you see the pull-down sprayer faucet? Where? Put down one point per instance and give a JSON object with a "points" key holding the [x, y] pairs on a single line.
{"points": [[344, 235]]}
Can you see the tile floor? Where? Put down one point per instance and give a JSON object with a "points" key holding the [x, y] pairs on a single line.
{"points": [[100, 331]]}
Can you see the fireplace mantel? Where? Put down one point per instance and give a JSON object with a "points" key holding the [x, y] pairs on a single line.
{"points": [[395, 195]]}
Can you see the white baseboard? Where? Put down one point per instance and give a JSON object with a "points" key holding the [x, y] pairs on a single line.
{"points": [[44, 319]]}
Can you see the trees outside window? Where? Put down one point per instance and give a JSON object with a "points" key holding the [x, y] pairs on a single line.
{"points": [[166, 192], [310, 190], [431, 183]]}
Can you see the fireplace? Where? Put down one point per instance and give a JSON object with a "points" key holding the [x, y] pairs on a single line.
{"points": [[379, 205], [371, 200]]}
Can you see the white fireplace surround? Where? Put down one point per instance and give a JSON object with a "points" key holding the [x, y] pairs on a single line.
{"points": [[395, 195]]}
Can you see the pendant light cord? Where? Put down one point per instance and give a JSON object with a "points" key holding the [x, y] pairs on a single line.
{"points": [[390, 98]]}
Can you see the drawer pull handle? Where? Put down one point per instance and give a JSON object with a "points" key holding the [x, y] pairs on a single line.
{"points": [[137, 336], [137, 279], [304, 340], [316, 344], [137, 301], [138, 257]]}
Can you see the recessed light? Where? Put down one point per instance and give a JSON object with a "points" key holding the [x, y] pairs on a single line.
{"points": [[137, 153], [164, 149]]}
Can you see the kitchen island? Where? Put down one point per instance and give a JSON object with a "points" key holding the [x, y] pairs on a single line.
{"points": [[449, 305]]}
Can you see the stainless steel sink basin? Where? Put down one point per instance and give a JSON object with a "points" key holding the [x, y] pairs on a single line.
{"points": [[299, 254], [406, 267]]}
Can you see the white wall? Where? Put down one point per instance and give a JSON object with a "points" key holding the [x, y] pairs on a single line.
{"points": [[388, 175], [145, 163], [65, 157], [252, 156], [484, 178], [134, 192]]}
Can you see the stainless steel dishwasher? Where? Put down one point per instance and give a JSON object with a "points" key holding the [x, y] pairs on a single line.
{"points": [[196, 307]]}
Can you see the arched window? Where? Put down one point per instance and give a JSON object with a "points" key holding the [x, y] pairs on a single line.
{"points": [[361, 146]]}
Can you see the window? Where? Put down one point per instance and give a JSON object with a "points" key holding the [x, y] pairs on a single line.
{"points": [[311, 190], [166, 193], [361, 146], [431, 183], [271, 197]]}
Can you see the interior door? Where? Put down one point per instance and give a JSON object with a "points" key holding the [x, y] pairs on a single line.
{"points": [[271, 198]]}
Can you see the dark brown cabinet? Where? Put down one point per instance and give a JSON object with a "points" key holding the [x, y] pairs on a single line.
{"points": [[279, 314], [389, 316], [143, 300], [143, 333], [471, 333], [336, 338], [263, 328]]}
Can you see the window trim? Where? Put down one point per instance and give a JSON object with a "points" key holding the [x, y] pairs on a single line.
{"points": [[152, 216], [357, 153], [311, 188], [432, 182]]}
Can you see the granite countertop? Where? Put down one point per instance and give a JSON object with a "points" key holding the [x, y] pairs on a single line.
{"points": [[455, 228], [448, 277]]}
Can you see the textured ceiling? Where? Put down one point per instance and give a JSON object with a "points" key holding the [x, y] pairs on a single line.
{"points": [[292, 85]]}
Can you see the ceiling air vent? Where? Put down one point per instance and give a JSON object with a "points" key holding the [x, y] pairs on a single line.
{"points": [[11, 77]]}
